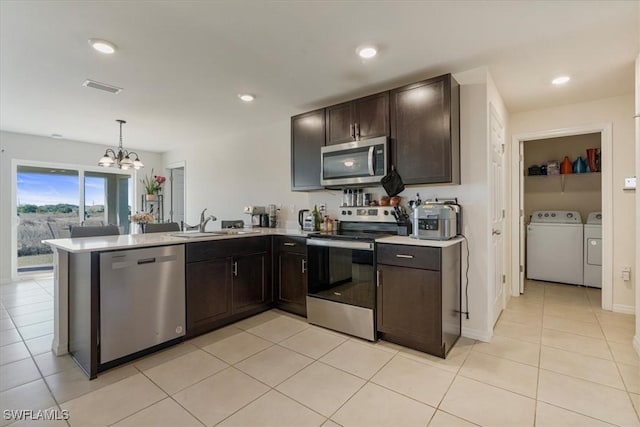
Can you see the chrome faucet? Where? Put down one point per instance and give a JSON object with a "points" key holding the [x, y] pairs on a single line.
{"points": [[204, 221]]}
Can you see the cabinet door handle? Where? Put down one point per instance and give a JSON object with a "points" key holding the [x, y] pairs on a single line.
{"points": [[352, 133], [404, 256], [378, 275], [304, 265], [289, 244], [235, 268], [357, 132]]}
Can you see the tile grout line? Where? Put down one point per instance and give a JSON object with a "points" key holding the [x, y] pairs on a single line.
{"points": [[42, 378]]}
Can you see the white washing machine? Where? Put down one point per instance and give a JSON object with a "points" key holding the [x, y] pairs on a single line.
{"points": [[555, 247], [593, 250]]}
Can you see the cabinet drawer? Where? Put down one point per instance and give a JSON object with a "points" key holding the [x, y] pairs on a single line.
{"points": [[296, 245], [409, 256], [201, 251]]}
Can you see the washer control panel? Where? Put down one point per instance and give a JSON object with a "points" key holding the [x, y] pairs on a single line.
{"points": [[557, 217], [594, 218]]}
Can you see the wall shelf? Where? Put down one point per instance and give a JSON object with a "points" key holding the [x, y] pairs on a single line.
{"points": [[590, 180]]}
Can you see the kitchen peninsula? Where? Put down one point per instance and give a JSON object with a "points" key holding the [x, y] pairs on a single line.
{"points": [[223, 276]]}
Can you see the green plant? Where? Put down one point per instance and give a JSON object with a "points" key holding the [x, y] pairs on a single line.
{"points": [[153, 184]]}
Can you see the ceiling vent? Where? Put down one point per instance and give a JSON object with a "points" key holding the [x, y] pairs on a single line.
{"points": [[102, 86]]}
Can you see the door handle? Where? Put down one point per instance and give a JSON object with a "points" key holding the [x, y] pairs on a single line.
{"points": [[404, 256], [304, 266], [496, 232], [357, 132], [235, 268], [289, 244], [352, 132], [378, 278]]}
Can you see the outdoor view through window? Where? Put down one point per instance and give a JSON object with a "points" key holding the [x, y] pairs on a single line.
{"points": [[50, 200]]}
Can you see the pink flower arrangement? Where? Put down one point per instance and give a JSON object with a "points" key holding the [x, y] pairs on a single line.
{"points": [[153, 185]]}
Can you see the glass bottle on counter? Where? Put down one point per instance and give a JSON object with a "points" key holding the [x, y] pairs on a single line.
{"points": [[316, 218]]}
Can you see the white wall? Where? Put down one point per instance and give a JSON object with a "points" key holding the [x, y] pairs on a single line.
{"points": [[224, 174], [619, 112], [42, 149]]}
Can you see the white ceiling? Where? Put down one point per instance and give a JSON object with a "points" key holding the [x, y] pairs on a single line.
{"points": [[182, 64]]}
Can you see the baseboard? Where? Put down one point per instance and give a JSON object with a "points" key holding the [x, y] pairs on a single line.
{"points": [[626, 309], [636, 343], [477, 334]]}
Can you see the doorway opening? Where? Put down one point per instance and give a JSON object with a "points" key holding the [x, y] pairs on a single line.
{"points": [[177, 199], [562, 192], [554, 207]]}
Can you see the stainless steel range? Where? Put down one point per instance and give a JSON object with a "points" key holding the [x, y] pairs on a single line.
{"points": [[342, 272]]}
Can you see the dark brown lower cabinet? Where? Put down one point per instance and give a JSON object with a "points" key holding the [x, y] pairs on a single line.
{"points": [[208, 292], [227, 281], [418, 298], [290, 275], [250, 282]]}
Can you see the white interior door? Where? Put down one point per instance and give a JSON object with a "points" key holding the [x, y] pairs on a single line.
{"points": [[497, 207], [521, 216], [176, 212]]}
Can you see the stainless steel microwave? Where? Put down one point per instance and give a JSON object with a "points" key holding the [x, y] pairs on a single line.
{"points": [[354, 163]]}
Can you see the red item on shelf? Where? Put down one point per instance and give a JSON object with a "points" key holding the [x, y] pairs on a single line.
{"points": [[566, 167]]}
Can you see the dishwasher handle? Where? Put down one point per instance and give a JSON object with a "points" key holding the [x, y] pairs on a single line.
{"points": [[117, 264]]}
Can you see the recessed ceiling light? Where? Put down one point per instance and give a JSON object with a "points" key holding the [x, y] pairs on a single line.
{"points": [[560, 80], [246, 97], [366, 52], [56, 136], [102, 46]]}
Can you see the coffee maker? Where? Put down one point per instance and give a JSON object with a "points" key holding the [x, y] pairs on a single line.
{"points": [[258, 214]]}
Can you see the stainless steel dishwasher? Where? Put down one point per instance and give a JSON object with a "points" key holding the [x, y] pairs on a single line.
{"points": [[142, 299]]}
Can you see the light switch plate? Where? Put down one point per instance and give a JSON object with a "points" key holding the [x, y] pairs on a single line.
{"points": [[630, 183]]}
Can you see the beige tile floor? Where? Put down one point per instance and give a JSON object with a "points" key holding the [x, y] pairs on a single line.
{"points": [[556, 359]]}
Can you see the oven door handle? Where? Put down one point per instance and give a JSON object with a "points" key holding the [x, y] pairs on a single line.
{"points": [[328, 243]]}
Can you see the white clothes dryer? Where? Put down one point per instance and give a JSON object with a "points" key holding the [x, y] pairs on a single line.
{"points": [[555, 247], [593, 250]]}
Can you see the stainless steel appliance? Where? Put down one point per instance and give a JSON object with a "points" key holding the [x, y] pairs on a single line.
{"points": [[341, 271], [142, 300], [354, 163], [436, 221]]}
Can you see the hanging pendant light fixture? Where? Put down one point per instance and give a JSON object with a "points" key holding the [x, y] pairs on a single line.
{"points": [[121, 159]]}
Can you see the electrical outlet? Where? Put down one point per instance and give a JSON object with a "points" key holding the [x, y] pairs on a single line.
{"points": [[625, 273]]}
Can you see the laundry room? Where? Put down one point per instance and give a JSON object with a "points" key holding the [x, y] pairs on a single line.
{"points": [[562, 197]]}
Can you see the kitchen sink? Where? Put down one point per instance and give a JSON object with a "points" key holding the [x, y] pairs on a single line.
{"points": [[195, 234], [233, 231]]}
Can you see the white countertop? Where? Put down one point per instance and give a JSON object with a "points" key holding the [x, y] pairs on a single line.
{"points": [[131, 241], [406, 240]]}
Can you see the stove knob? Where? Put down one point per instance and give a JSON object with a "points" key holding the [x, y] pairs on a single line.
{"points": [[348, 212], [569, 215], [344, 212], [539, 215], [546, 215], [386, 212], [553, 215]]}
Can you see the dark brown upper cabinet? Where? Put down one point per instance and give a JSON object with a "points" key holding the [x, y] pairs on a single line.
{"points": [[307, 136], [359, 119], [425, 131]]}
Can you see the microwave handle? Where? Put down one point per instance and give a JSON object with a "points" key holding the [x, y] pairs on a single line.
{"points": [[372, 150]]}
